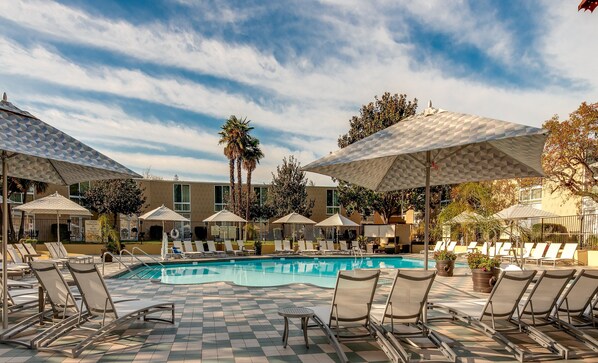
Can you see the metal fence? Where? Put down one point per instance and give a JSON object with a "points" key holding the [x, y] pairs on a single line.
{"points": [[582, 229]]}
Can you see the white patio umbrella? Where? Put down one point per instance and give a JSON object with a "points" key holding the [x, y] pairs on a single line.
{"points": [[34, 150], [224, 216], [337, 220], [54, 204], [293, 219], [519, 212], [163, 214], [437, 147], [465, 217]]}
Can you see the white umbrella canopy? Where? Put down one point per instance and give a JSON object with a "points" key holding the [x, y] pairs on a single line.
{"points": [[337, 220], [294, 218], [34, 150], [522, 211], [465, 217], [224, 216], [437, 147]]}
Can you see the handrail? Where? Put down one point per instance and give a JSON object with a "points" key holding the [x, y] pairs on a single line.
{"points": [[120, 263], [148, 255], [133, 256]]}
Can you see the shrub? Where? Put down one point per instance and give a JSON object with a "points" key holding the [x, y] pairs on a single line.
{"points": [[478, 260], [443, 255], [548, 231]]}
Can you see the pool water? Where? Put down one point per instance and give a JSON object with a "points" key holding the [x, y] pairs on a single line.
{"points": [[268, 272]]}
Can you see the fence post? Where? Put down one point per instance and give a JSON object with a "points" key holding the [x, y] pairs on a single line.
{"points": [[542, 230]]}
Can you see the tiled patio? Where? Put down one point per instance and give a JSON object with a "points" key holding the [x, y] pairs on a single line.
{"points": [[220, 322]]}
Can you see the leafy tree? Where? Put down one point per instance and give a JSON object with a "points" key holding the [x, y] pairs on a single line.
{"points": [[288, 190], [251, 157], [373, 117], [570, 151], [115, 196]]}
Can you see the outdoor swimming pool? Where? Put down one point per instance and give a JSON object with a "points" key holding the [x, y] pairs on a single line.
{"points": [[268, 272]]}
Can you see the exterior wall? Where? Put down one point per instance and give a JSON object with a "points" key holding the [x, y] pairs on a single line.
{"points": [[562, 204]]}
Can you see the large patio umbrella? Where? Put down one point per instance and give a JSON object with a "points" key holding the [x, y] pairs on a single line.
{"points": [[163, 214], [519, 212], [224, 216], [34, 150], [54, 204], [465, 217], [337, 220], [437, 147], [293, 219]]}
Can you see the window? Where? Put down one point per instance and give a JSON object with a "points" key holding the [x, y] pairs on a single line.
{"points": [[261, 195], [332, 204], [77, 192], [221, 193], [182, 198], [530, 195]]}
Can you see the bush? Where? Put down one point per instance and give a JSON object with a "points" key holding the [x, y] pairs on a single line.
{"points": [[478, 260], [548, 231], [155, 233], [443, 255]]}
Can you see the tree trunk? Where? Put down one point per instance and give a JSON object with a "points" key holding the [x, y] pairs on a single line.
{"points": [[249, 191], [239, 186], [231, 194]]}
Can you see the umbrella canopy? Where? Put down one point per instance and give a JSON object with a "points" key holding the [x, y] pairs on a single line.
{"points": [[588, 5], [437, 147], [521, 211], [337, 221], [53, 204], [294, 218], [465, 217], [34, 150], [163, 214], [224, 216]]}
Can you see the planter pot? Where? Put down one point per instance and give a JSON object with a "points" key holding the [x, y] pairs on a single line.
{"points": [[445, 267], [483, 281]]}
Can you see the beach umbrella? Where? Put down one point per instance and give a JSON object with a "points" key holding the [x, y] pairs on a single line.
{"points": [[224, 216], [337, 220], [54, 204], [465, 217], [293, 219], [519, 212], [163, 214], [34, 150], [437, 147]]}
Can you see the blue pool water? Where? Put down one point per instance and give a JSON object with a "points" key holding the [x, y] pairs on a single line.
{"points": [[268, 272]]}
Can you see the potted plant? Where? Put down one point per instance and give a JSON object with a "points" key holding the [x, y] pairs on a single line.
{"points": [[445, 262], [109, 236], [484, 271]]}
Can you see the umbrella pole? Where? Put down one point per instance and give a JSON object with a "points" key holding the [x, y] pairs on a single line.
{"points": [[57, 227], [427, 209], [4, 240]]}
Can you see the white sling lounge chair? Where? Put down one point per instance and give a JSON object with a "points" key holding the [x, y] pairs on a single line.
{"points": [[501, 306], [451, 246], [330, 246], [72, 257], [309, 248], [228, 246], [525, 253], [568, 255], [200, 248], [17, 261], [494, 251], [99, 306], [505, 250], [188, 250], [472, 247], [212, 249], [343, 248], [323, 248], [278, 246], [403, 312], [350, 307], [241, 245], [538, 253], [301, 247], [287, 247], [437, 247]]}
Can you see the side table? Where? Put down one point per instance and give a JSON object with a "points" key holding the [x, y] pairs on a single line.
{"points": [[303, 313]]}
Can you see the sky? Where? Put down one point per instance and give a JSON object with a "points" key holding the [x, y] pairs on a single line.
{"points": [[149, 83]]}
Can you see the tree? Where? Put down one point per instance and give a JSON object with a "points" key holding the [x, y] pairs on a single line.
{"points": [[114, 197], [288, 190], [373, 117], [251, 157], [570, 151]]}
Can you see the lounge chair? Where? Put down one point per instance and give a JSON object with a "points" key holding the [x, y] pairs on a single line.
{"points": [[330, 246], [228, 247], [23, 299], [241, 245], [501, 306], [343, 248], [350, 307], [17, 261], [403, 311], [538, 253], [450, 247], [200, 248], [505, 250], [278, 246], [309, 248], [287, 247], [100, 306], [437, 247], [495, 250], [73, 257], [568, 255], [472, 247], [212, 249], [527, 251], [301, 247], [323, 248], [188, 250]]}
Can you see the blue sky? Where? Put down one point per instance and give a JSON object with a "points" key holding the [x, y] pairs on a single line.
{"points": [[150, 82]]}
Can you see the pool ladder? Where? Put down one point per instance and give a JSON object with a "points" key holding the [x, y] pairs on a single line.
{"points": [[120, 262]]}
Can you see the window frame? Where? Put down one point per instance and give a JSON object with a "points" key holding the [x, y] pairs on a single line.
{"points": [[176, 205], [332, 209], [222, 205]]}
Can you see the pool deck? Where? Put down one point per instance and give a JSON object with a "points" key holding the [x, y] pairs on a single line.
{"points": [[221, 322]]}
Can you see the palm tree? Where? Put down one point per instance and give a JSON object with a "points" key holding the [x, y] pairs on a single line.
{"points": [[251, 158], [243, 143]]}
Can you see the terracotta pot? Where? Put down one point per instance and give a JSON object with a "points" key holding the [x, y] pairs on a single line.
{"points": [[445, 267], [483, 281]]}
